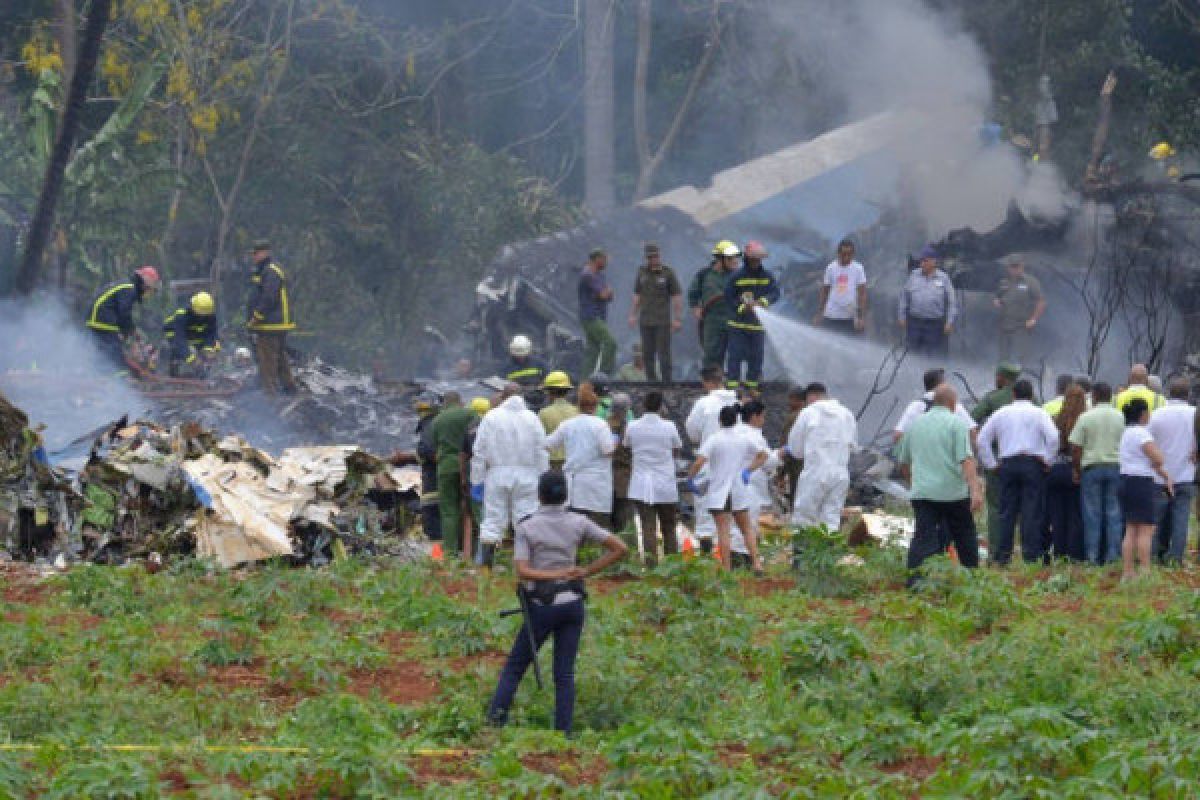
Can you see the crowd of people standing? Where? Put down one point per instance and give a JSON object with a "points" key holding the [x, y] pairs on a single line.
{"points": [[1092, 475]]}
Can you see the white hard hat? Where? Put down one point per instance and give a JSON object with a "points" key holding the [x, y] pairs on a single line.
{"points": [[520, 346], [242, 354]]}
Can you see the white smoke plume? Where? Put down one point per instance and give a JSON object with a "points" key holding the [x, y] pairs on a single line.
{"points": [[876, 55], [50, 369]]}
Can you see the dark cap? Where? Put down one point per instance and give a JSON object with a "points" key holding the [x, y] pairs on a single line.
{"points": [[261, 244], [596, 252], [1008, 369], [651, 249]]}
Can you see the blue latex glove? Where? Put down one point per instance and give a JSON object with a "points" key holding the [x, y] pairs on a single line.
{"points": [[746, 476], [477, 492], [691, 486], [787, 451], [616, 440]]}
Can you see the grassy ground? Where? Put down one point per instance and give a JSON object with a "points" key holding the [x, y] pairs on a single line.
{"points": [[831, 682]]}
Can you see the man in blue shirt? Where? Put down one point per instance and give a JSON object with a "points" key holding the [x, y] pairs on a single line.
{"points": [[594, 296]]}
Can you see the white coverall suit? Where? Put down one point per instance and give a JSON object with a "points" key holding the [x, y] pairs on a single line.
{"points": [[702, 422], [508, 459], [824, 434]]}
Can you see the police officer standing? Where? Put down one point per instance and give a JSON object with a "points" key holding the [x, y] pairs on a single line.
{"points": [[552, 587], [928, 306], [658, 311]]}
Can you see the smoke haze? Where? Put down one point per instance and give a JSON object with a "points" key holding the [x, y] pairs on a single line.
{"points": [[50, 369], [876, 55]]}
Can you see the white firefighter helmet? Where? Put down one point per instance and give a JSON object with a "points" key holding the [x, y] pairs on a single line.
{"points": [[520, 346]]}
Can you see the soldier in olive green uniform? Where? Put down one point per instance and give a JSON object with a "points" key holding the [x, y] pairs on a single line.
{"points": [[1021, 304], [706, 298], [993, 401], [658, 311]]}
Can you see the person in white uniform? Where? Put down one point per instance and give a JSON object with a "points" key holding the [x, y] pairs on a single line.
{"points": [[589, 445], [700, 424], [508, 459], [655, 443], [824, 434], [754, 417], [731, 457]]}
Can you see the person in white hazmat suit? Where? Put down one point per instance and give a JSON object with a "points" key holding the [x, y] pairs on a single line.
{"points": [[824, 435], [508, 459], [754, 417], [589, 443], [732, 458], [700, 424]]}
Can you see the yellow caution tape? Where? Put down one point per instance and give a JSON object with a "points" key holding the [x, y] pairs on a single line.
{"points": [[217, 748]]}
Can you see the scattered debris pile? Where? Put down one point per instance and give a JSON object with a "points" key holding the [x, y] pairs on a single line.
{"points": [[35, 500], [148, 489], [335, 405]]}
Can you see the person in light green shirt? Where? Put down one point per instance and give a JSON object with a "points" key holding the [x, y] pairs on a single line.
{"points": [[936, 454], [557, 385], [1095, 443], [635, 370]]}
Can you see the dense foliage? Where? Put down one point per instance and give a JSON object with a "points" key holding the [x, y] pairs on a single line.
{"points": [[1034, 682]]}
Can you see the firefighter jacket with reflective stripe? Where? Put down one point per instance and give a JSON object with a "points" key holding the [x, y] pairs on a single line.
{"points": [[112, 311], [186, 329], [527, 372], [269, 309], [758, 282]]}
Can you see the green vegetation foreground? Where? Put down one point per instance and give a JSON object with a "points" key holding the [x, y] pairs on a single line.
{"points": [[369, 680]]}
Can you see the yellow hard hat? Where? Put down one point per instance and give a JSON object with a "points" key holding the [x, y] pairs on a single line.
{"points": [[722, 246], [1162, 150], [202, 304], [480, 405], [557, 380]]}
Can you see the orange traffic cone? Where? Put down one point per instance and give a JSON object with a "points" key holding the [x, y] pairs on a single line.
{"points": [[717, 551], [689, 549], [953, 553], [436, 554]]}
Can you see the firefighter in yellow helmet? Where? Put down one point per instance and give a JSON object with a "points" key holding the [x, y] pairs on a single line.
{"points": [[557, 385], [193, 341], [706, 298], [1167, 159]]}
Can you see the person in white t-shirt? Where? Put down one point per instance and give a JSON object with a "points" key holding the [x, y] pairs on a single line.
{"points": [[1174, 430], [654, 442], [1144, 480], [843, 293], [732, 457], [702, 423], [754, 417]]}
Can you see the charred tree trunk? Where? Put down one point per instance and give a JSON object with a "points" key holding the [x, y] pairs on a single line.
{"points": [[43, 218]]}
